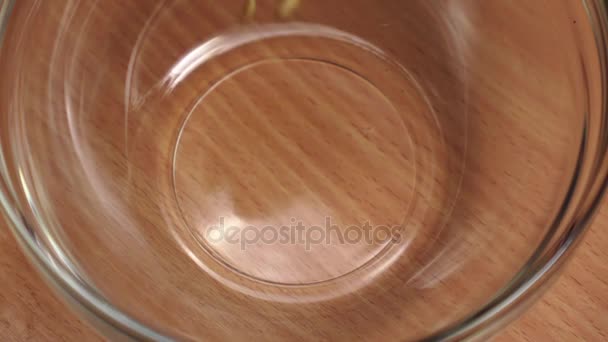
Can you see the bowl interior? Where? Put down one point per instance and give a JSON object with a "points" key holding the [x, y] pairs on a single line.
{"points": [[293, 169]]}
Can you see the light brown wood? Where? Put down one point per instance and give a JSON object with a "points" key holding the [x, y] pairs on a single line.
{"points": [[520, 143], [29, 311], [574, 309]]}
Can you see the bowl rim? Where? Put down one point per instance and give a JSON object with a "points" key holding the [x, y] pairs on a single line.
{"points": [[527, 286]]}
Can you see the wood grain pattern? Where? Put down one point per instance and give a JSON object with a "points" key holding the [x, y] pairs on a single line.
{"points": [[520, 139], [29, 311], [574, 309]]}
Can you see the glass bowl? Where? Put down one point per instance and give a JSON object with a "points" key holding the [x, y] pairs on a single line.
{"points": [[301, 169]]}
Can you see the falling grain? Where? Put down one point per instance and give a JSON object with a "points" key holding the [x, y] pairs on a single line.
{"points": [[250, 8], [287, 8]]}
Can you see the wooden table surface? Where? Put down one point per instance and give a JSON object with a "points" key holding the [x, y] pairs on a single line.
{"points": [[574, 309]]}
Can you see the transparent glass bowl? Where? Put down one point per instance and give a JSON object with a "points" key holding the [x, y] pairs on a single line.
{"points": [[301, 170]]}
